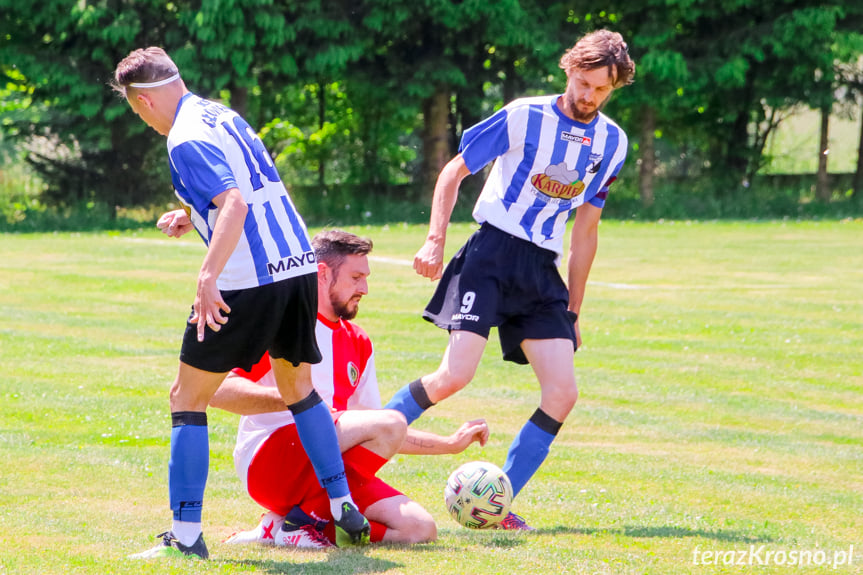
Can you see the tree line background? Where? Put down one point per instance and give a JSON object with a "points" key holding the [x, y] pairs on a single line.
{"points": [[361, 102]]}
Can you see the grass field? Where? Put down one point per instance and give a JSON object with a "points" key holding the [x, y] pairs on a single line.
{"points": [[720, 418]]}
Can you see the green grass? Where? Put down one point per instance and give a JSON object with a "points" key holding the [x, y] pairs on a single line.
{"points": [[720, 407]]}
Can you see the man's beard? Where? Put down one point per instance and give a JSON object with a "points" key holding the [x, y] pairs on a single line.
{"points": [[578, 116], [582, 117], [342, 308]]}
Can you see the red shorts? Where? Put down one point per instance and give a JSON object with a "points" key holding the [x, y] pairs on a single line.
{"points": [[281, 477]]}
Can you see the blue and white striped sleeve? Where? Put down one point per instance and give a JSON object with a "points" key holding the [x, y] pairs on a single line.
{"points": [[204, 170], [485, 141]]}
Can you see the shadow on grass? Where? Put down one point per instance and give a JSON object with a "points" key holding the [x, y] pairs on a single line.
{"points": [[668, 532], [337, 562], [483, 538]]}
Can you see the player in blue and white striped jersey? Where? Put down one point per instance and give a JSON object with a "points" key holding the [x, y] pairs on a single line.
{"points": [[553, 156], [550, 165], [207, 145], [257, 290]]}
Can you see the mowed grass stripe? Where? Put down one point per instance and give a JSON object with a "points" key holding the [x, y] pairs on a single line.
{"points": [[720, 406]]}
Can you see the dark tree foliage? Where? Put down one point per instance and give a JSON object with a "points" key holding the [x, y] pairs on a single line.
{"points": [[374, 94]]}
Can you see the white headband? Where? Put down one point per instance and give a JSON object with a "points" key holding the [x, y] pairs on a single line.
{"points": [[155, 84]]}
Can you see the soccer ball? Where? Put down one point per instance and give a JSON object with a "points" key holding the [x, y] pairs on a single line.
{"points": [[478, 495]]}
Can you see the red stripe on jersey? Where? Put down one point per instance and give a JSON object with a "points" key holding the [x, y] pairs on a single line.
{"points": [[351, 351], [258, 370]]}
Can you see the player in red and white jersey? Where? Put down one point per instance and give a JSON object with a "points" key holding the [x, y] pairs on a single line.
{"points": [[268, 456], [345, 379]]}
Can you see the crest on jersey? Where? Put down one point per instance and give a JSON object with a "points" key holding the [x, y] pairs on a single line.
{"points": [[559, 182], [353, 373]]}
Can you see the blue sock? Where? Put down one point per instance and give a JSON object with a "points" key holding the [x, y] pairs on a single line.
{"points": [[529, 449], [411, 401], [190, 462], [318, 436]]}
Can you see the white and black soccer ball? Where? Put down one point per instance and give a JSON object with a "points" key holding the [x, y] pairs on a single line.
{"points": [[478, 495]]}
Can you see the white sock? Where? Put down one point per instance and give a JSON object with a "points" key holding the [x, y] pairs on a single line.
{"points": [[186, 532], [336, 505]]}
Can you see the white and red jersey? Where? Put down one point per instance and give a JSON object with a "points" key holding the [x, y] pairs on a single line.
{"points": [[345, 379]]}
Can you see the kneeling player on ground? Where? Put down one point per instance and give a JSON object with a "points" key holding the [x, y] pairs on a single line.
{"points": [[269, 457]]}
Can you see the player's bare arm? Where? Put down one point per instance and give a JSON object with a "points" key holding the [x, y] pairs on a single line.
{"points": [[380, 431], [244, 397], [428, 261], [425, 443], [582, 250], [226, 233]]}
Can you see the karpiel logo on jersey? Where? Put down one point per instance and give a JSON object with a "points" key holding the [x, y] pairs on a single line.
{"points": [[353, 373], [575, 139], [559, 182]]}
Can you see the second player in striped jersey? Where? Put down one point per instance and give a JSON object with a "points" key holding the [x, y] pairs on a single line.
{"points": [[553, 156]]}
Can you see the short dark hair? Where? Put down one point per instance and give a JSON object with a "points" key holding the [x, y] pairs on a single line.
{"points": [[333, 246], [143, 65], [600, 49]]}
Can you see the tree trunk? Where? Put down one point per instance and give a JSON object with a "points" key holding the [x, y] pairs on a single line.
{"points": [[858, 175], [436, 150], [469, 105], [822, 182], [738, 150], [510, 82], [648, 157], [240, 103], [117, 173], [322, 118]]}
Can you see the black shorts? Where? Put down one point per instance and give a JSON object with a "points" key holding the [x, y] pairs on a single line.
{"points": [[278, 317], [499, 280]]}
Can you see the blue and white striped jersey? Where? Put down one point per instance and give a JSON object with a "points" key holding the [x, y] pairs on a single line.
{"points": [[211, 150], [546, 166]]}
